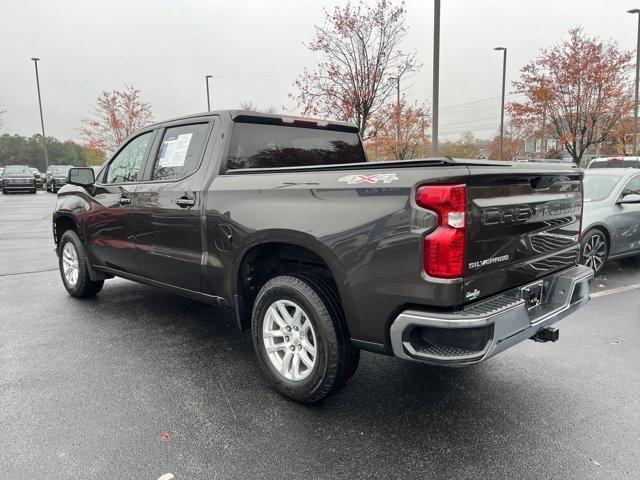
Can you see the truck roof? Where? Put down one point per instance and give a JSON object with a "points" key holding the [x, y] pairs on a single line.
{"points": [[250, 114]]}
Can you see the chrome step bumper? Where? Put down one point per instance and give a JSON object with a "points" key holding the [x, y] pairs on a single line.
{"points": [[490, 326]]}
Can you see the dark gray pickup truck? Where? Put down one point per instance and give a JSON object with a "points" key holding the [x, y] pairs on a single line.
{"points": [[321, 253]]}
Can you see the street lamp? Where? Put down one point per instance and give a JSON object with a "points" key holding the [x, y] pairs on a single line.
{"points": [[504, 76], [436, 76], [44, 137], [206, 79], [635, 105]]}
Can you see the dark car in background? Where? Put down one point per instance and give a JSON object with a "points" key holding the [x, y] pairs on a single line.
{"points": [[18, 178], [56, 177], [611, 217]]}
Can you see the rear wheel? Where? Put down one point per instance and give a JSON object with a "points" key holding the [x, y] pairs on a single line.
{"points": [[74, 271], [594, 250], [300, 338]]}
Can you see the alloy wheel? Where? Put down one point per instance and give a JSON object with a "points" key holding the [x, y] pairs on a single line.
{"points": [[70, 264], [289, 340], [594, 251]]}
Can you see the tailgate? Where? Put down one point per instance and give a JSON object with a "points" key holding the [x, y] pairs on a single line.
{"points": [[524, 223]]}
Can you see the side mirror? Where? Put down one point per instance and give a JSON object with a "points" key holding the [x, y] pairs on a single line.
{"points": [[82, 176], [630, 198]]}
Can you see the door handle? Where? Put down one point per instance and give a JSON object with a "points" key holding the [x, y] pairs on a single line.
{"points": [[124, 201], [185, 202]]}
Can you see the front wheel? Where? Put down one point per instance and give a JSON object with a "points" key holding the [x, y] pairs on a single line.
{"points": [[72, 260], [594, 250], [300, 338]]}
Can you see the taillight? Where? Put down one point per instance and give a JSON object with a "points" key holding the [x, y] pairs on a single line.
{"points": [[445, 247]]}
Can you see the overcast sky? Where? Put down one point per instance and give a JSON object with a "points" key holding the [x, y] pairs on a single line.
{"points": [[254, 50]]}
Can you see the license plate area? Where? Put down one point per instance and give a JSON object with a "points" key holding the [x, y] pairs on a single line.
{"points": [[533, 295]]}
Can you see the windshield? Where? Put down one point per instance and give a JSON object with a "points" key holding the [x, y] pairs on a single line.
{"points": [[60, 169], [16, 170], [598, 187]]}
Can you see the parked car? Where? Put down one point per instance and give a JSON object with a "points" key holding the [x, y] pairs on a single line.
{"points": [[18, 178], [321, 253], [615, 162], [56, 177], [611, 221], [36, 173]]}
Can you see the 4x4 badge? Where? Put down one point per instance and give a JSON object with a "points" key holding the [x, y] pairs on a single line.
{"points": [[378, 177]]}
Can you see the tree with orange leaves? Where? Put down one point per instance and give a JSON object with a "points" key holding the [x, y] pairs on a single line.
{"points": [[116, 116], [513, 143], [414, 139], [359, 46], [581, 87]]}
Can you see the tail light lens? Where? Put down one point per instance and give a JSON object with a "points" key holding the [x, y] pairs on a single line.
{"points": [[445, 248]]}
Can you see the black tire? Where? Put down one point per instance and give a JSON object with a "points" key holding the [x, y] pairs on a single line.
{"points": [[594, 249], [336, 359], [4, 192], [34, 191], [84, 287]]}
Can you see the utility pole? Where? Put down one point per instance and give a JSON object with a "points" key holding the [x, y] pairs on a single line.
{"points": [[398, 110], [44, 137], [206, 80], [635, 105], [504, 77], [436, 76]]}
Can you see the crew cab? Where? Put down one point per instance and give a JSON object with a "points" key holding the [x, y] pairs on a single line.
{"points": [[321, 253]]}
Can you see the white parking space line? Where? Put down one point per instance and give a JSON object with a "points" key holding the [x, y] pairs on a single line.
{"points": [[611, 291]]}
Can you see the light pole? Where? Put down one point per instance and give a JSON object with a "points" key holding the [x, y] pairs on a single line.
{"points": [[436, 76], [635, 105], [44, 137], [206, 80], [504, 76]]}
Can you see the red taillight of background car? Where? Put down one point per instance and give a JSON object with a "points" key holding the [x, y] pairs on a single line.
{"points": [[445, 247]]}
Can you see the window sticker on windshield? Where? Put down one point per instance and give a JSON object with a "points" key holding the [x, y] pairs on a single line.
{"points": [[173, 151]]}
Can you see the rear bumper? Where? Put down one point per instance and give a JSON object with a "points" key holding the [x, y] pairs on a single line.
{"points": [[490, 326]]}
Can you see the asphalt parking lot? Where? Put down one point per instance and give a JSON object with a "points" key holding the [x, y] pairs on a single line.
{"points": [[138, 383]]}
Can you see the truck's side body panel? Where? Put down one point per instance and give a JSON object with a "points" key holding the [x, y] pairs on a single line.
{"points": [[369, 235]]}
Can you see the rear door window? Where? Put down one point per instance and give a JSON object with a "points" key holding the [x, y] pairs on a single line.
{"points": [[278, 146], [180, 151]]}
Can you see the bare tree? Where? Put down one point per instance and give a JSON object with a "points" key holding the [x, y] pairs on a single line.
{"points": [[2, 120], [249, 105], [360, 54]]}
